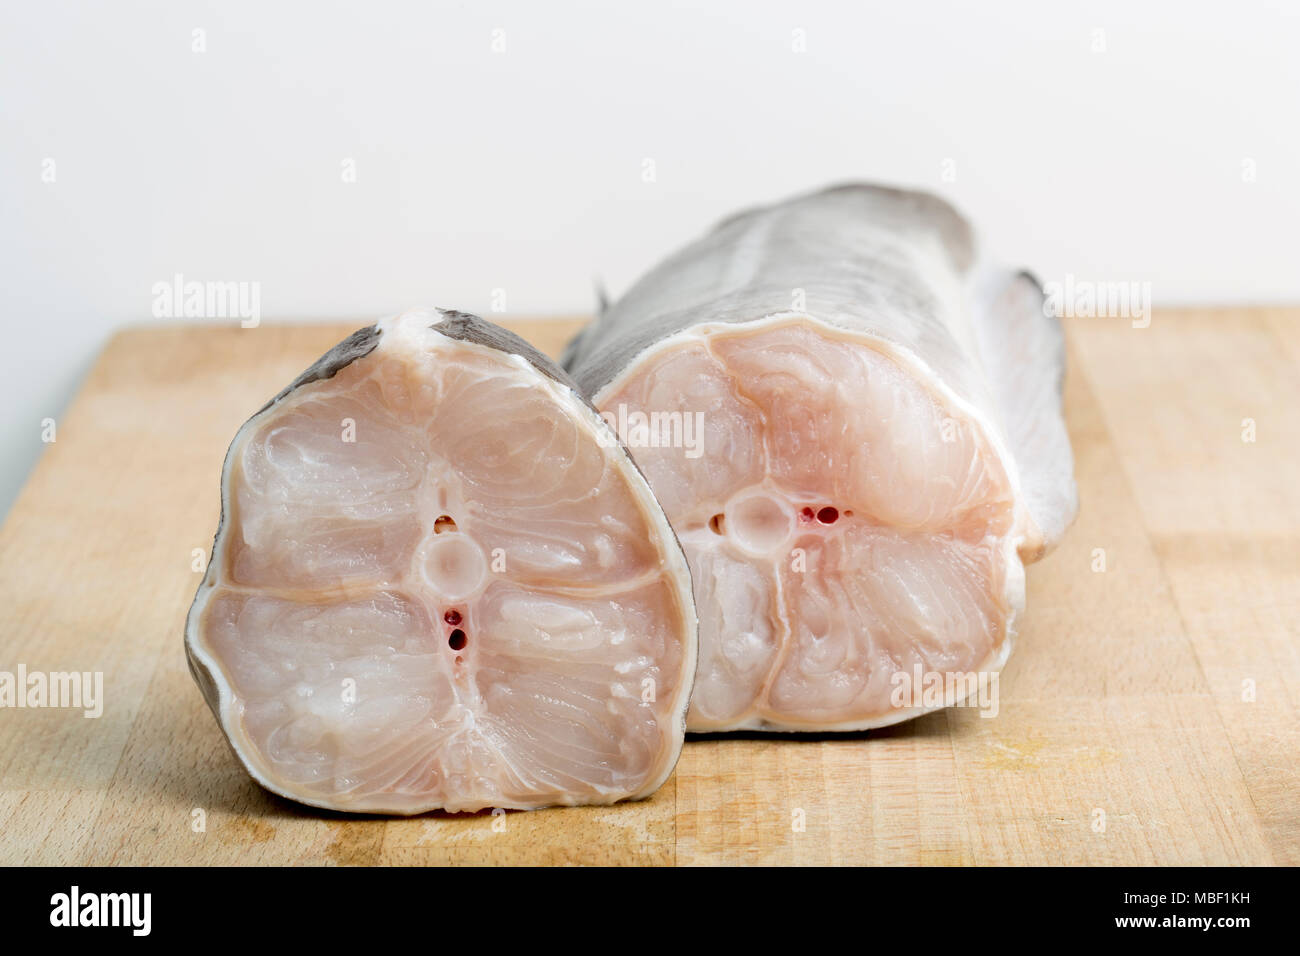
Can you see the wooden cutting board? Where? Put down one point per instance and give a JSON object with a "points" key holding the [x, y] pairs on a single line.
{"points": [[1148, 715]]}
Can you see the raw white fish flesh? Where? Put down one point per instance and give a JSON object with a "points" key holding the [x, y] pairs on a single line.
{"points": [[440, 582], [882, 451]]}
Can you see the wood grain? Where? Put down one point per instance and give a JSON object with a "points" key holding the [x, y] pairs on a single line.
{"points": [[1157, 694]]}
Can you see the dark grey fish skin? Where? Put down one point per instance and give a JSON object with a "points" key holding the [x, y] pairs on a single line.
{"points": [[463, 326], [467, 327], [357, 345], [847, 247]]}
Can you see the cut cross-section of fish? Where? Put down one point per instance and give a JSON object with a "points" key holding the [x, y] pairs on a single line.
{"points": [[440, 582], [877, 451]]}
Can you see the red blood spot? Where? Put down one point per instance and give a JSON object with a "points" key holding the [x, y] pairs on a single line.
{"points": [[806, 514], [452, 617], [827, 515], [457, 640]]}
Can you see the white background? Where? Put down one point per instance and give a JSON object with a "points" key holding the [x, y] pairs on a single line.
{"points": [[522, 170]]}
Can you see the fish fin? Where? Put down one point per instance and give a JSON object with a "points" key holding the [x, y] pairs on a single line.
{"points": [[1022, 348]]}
